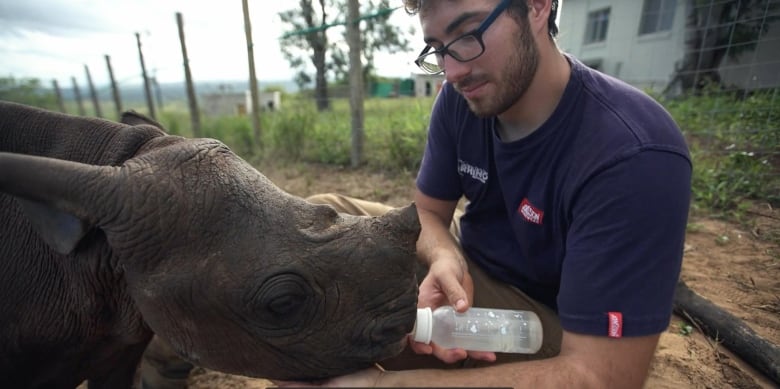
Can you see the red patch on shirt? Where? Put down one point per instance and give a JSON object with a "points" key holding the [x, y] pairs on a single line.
{"points": [[530, 213], [615, 327]]}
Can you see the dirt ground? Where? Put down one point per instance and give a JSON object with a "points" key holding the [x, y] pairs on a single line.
{"points": [[736, 266]]}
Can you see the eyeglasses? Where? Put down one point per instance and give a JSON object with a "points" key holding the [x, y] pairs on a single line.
{"points": [[464, 48]]}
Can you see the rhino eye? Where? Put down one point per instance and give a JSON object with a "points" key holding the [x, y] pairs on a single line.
{"points": [[283, 296], [284, 305]]}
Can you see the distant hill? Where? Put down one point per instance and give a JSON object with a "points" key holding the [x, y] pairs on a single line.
{"points": [[175, 91]]}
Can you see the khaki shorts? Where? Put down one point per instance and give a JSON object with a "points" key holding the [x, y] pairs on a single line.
{"points": [[488, 293]]}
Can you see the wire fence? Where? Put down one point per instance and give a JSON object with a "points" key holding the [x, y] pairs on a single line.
{"points": [[729, 102]]}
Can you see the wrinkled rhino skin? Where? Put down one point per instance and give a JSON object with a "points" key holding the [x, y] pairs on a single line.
{"points": [[113, 232]]}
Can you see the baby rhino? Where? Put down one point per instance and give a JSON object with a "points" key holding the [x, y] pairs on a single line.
{"points": [[113, 232]]}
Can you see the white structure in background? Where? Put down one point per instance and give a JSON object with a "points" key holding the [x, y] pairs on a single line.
{"points": [[232, 103], [269, 101], [642, 41], [426, 85]]}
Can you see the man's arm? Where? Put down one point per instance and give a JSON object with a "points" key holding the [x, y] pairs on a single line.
{"points": [[585, 361], [435, 238], [448, 281]]}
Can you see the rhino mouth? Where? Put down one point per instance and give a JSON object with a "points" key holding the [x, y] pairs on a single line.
{"points": [[388, 330]]}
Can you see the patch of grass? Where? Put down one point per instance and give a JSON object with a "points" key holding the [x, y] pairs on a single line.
{"points": [[685, 329], [734, 144], [693, 227], [722, 240]]}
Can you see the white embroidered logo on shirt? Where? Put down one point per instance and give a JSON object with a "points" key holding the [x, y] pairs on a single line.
{"points": [[530, 213], [476, 173]]}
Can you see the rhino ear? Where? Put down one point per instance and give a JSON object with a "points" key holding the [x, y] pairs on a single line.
{"points": [[62, 231], [134, 118], [51, 193]]}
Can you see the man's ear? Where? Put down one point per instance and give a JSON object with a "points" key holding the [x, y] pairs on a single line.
{"points": [[538, 15]]}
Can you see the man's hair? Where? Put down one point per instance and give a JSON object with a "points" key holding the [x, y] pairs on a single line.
{"points": [[520, 6]]}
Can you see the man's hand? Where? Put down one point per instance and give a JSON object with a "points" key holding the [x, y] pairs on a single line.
{"points": [[448, 283]]}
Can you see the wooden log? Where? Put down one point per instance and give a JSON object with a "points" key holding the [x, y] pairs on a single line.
{"points": [[730, 331]]}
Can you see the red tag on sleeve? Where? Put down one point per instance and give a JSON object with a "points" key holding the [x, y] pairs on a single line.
{"points": [[615, 329]]}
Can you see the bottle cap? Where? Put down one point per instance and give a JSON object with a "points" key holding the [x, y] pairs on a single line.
{"points": [[423, 326]]}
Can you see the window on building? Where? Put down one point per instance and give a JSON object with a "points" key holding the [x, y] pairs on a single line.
{"points": [[596, 30], [595, 64], [657, 16]]}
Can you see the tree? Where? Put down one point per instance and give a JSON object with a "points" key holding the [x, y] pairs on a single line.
{"points": [[313, 26], [715, 29]]}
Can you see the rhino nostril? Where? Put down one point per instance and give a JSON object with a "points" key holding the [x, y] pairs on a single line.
{"points": [[387, 334], [391, 329]]}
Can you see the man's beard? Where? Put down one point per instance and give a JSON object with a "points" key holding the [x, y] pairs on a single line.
{"points": [[517, 76]]}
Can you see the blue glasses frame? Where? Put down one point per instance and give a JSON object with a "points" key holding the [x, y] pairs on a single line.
{"points": [[444, 50]]}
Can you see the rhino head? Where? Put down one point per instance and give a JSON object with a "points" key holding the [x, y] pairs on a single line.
{"points": [[236, 274]]}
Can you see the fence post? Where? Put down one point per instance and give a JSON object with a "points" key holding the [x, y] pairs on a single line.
{"points": [[252, 77], [77, 94], [194, 113], [58, 95], [355, 81], [93, 93], [147, 87], [114, 89]]}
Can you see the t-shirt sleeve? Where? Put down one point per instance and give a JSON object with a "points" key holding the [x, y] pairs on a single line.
{"points": [[624, 247], [438, 175]]}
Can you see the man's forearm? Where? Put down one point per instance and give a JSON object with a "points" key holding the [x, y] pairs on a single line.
{"points": [[585, 361], [548, 373], [436, 241]]}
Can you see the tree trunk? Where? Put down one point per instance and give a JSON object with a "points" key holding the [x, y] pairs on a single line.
{"points": [[319, 45], [729, 330], [320, 80]]}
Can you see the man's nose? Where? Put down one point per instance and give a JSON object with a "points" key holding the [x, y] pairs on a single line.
{"points": [[454, 70]]}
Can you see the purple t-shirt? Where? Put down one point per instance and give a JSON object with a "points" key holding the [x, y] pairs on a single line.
{"points": [[586, 215]]}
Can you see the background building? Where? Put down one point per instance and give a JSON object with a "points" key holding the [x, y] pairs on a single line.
{"points": [[651, 43]]}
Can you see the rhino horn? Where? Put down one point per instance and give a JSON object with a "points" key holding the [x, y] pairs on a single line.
{"points": [[51, 193], [405, 223]]}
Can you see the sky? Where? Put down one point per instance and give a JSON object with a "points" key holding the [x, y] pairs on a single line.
{"points": [[55, 39]]}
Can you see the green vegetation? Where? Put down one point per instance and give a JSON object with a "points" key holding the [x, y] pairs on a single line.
{"points": [[685, 329], [735, 146], [734, 140], [28, 91]]}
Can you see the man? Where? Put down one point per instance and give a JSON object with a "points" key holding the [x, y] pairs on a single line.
{"points": [[577, 189]]}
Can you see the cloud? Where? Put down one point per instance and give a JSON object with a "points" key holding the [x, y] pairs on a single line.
{"points": [[54, 39], [55, 17]]}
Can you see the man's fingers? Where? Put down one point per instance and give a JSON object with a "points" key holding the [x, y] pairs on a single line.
{"points": [[449, 355], [456, 295], [420, 348], [482, 356]]}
